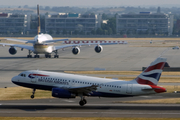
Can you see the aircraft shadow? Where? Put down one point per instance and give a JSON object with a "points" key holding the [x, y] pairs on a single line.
{"points": [[97, 107]]}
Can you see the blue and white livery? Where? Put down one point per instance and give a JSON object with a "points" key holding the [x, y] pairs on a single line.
{"points": [[65, 85]]}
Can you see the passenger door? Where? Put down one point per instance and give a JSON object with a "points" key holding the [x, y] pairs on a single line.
{"points": [[129, 88]]}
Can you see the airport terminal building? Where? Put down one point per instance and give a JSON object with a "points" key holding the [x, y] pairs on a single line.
{"points": [[70, 23], [146, 23], [13, 23]]}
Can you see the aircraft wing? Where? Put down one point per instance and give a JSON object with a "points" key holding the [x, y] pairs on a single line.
{"points": [[83, 89], [20, 40], [83, 44], [20, 46], [57, 40]]}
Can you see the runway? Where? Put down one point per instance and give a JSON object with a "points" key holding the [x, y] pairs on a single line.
{"points": [[103, 107]]}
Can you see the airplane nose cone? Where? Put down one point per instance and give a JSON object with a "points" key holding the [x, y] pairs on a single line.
{"points": [[14, 79]]}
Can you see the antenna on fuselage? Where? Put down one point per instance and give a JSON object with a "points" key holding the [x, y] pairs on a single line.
{"points": [[39, 25]]}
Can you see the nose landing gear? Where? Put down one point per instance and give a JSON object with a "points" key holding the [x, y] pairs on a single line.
{"points": [[32, 96]]}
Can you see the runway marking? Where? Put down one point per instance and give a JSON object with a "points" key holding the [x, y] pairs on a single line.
{"points": [[68, 100]]}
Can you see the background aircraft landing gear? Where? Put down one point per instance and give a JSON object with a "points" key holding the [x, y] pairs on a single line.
{"points": [[36, 56], [56, 54], [48, 55], [29, 56], [32, 96]]}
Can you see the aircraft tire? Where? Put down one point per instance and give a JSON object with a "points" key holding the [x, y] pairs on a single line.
{"points": [[81, 103], [32, 96], [84, 100]]}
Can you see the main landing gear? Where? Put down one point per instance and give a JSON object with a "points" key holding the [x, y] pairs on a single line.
{"points": [[83, 101], [56, 54], [29, 56], [48, 55], [32, 96], [36, 56]]}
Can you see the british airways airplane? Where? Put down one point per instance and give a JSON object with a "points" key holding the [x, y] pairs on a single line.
{"points": [[65, 85], [43, 44]]}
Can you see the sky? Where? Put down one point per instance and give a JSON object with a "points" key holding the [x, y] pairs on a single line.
{"points": [[90, 3]]}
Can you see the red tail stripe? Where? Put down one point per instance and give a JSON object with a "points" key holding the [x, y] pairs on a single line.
{"points": [[157, 66], [158, 89], [142, 81]]}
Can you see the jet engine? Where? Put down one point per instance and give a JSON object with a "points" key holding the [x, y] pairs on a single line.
{"points": [[62, 93], [12, 50], [76, 50], [98, 48]]}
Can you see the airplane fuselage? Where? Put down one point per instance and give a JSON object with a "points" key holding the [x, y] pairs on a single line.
{"points": [[40, 47], [106, 87]]}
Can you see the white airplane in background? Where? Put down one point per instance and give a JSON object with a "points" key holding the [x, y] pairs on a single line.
{"points": [[65, 85], [43, 44]]}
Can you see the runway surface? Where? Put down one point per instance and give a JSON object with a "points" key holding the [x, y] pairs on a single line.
{"points": [[103, 107], [113, 57]]}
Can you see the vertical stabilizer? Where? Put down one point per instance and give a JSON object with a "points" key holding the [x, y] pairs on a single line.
{"points": [[152, 74], [39, 25]]}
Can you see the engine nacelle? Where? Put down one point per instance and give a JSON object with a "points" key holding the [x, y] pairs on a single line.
{"points": [[76, 50], [62, 93], [12, 50], [98, 48]]}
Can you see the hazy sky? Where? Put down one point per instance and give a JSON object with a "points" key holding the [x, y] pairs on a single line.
{"points": [[89, 2]]}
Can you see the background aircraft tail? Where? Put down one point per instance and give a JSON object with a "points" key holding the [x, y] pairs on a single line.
{"points": [[152, 74], [39, 24]]}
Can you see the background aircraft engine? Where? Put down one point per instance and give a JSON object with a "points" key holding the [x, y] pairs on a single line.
{"points": [[76, 50], [98, 48], [62, 93], [12, 50]]}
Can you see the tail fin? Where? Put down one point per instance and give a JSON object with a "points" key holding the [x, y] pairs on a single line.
{"points": [[151, 75], [39, 24]]}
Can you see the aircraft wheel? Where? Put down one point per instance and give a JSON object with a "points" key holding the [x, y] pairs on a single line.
{"points": [[37, 56], [57, 56], [49, 56], [84, 100], [28, 56], [81, 103], [32, 96]]}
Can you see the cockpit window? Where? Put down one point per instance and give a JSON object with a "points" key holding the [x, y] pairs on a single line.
{"points": [[23, 75]]}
